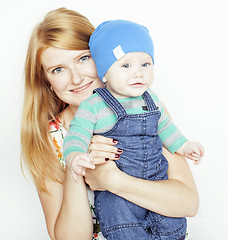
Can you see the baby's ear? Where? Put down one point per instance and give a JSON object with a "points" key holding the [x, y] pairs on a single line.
{"points": [[104, 80]]}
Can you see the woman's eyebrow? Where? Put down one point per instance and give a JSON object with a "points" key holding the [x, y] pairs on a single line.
{"points": [[81, 54], [77, 57], [55, 66]]}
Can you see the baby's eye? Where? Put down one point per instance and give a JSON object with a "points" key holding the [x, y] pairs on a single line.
{"points": [[57, 70], [126, 65], [84, 58], [145, 64]]}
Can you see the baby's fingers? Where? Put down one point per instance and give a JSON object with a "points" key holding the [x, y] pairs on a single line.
{"points": [[77, 172], [80, 171], [201, 149], [74, 175], [195, 157], [198, 149], [83, 164]]}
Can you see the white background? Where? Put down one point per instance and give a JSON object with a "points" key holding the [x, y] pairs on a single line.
{"points": [[191, 74]]}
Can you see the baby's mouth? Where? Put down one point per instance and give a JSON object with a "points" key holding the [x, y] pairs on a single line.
{"points": [[138, 84]]}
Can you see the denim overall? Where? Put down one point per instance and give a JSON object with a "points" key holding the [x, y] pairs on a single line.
{"points": [[142, 158]]}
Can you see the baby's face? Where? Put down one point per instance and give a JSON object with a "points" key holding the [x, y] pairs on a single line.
{"points": [[131, 75]]}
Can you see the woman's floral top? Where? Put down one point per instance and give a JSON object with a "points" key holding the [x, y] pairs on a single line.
{"points": [[58, 133]]}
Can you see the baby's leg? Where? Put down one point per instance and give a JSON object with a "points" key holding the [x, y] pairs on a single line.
{"points": [[118, 218]]}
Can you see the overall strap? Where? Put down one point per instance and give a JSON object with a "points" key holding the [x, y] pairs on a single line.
{"points": [[113, 103], [149, 101]]}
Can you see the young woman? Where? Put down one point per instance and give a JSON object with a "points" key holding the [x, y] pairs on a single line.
{"points": [[59, 75]]}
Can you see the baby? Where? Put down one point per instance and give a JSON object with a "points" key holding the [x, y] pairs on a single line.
{"points": [[127, 110]]}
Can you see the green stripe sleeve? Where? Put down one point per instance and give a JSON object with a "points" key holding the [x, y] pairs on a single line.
{"points": [[162, 124], [177, 144], [72, 149], [106, 121], [167, 132]]}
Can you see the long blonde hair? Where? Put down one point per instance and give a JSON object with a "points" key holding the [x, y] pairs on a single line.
{"points": [[61, 28]]}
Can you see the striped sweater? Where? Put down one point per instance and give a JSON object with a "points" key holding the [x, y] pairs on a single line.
{"points": [[94, 116]]}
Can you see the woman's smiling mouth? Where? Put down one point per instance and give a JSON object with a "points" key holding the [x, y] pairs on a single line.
{"points": [[82, 88]]}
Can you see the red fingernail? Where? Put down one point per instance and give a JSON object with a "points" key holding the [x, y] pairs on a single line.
{"points": [[106, 159], [115, 141], [117, 155], [119, 150]]}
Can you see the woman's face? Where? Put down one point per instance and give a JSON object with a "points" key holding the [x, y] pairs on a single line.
{"points": [[71, 73]]}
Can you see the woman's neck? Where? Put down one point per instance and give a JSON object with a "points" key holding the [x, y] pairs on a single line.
{"points": [[67, 115]]}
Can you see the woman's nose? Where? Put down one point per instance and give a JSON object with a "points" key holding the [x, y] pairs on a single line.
{"points": [[76, 77]]}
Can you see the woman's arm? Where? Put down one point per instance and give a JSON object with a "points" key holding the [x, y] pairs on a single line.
{"points": [[66, 209], [175, 197]]}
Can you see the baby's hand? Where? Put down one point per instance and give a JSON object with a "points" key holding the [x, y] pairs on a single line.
{"points": [[77, 162], [192, 150]]}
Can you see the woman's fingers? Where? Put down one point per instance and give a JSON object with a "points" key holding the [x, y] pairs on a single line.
{"points": [[103, 149], [104, 140], [105, 158], [106, 154], [100, 147]]}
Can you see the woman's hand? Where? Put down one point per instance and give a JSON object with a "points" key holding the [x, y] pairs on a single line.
{"points": [[103, 149], [103, 177]]}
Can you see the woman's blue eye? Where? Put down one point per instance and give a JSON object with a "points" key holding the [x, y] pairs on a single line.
{"points": [[57, 70], [84, 58], [126, 65], [145, 64]]}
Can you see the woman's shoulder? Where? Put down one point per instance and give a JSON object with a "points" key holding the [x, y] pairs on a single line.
{"points": [[56, 127]]}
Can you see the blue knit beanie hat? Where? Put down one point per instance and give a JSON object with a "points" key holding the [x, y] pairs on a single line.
{"points": [[111, 40]]}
